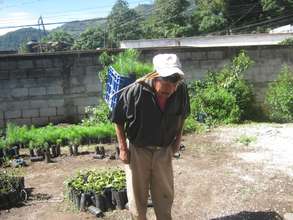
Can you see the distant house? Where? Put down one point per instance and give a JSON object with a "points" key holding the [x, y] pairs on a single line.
{"points": [[283, 29]]}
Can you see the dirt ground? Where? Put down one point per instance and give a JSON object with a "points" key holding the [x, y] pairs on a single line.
{"points": [[216, 178]]}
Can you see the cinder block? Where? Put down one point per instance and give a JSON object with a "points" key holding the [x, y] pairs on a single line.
{"points": [[17, 74], [199, 55], [40, 91], [19, 92], [93, 87], [47, 112], [56, 119], [5, 93], [215, 55], [92, 70], [38, 104], [43, 63], [81, 110], [40, 121], [13, 105], [86, 101], [12, 114], [78, 70], [4, 75], [55, 90], [25, 64], [60, 111], [35, 73], [53, 72], [20, 121], [55, 102], [29, 113], [2, 124], [7, 64], [78, 90], [85, 61], [76, 81]]}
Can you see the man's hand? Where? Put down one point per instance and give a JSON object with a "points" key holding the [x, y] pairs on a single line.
{"points": [[124, 156]]}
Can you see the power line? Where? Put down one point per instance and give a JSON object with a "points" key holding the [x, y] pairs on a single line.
{"points": [[52, 23]]}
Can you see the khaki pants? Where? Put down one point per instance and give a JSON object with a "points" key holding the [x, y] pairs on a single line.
{"points": [[150, 170]]}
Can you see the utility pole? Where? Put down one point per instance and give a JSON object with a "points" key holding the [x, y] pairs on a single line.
{"points": [[41, 26]]}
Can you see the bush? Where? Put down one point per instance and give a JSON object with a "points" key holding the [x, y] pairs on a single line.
{"points": [[124, 63], [288, 41], [53, 135], [97, 114], [279, 97], [97, 180], [223, 96], [217, 104]]}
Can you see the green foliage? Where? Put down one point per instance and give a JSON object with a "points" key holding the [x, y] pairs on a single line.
{"points": [[96, 115], [210, 15], [192, 125], [97, 180], [288, 41], [13, 40], [279, 97], [2, 143], [218, 104], [123, 23], [91, 39], [167, 20], [51, 135], [9, 182], [246, 140], [223, 96], [23, 48], [57, 41], [58, 36], [126, 62]]}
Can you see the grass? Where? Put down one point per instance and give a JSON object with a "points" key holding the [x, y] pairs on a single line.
{"points": [[246, 140]]}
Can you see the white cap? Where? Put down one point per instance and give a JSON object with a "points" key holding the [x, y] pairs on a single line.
{"points": [[167, 65]]}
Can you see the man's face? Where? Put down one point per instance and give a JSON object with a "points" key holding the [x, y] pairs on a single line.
{"points": [[164, 89]]}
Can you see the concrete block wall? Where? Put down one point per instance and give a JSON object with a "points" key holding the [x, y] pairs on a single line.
{"points": [[39, 89], [268, 61]]}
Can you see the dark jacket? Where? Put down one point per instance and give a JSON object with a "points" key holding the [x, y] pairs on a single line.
{"points": [[145, 123]]}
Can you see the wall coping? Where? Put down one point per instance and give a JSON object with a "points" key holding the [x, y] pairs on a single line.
{"points": [[116, 50]]}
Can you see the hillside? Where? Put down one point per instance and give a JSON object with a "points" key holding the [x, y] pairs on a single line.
{"points": [[12, 40], [76, 27]]}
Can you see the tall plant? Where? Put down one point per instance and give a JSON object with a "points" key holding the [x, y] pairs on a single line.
{"points": [[223, 96], [279, 97]]}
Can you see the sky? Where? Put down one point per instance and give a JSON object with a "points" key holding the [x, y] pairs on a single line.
{"points": [[27, 12]]}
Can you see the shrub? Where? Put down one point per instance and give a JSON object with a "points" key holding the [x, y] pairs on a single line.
{"points": [[217, 104], [52, 135], [288, 41], [223, 96], [124, 63], [97, 180], [279, 97], [97, 114]]}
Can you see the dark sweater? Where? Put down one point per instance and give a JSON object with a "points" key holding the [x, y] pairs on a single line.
{"points": [[145, 123]]}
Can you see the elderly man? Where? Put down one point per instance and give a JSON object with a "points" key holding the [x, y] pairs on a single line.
{"points": [[149, 117]]}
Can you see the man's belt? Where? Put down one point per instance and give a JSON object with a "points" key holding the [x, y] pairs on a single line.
{"points": [[153, 148]]}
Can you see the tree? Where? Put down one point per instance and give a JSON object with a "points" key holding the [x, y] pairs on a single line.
{"points": [[210, 15], [92, 38], [167, 20], [58, 36], [123, 23]]}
